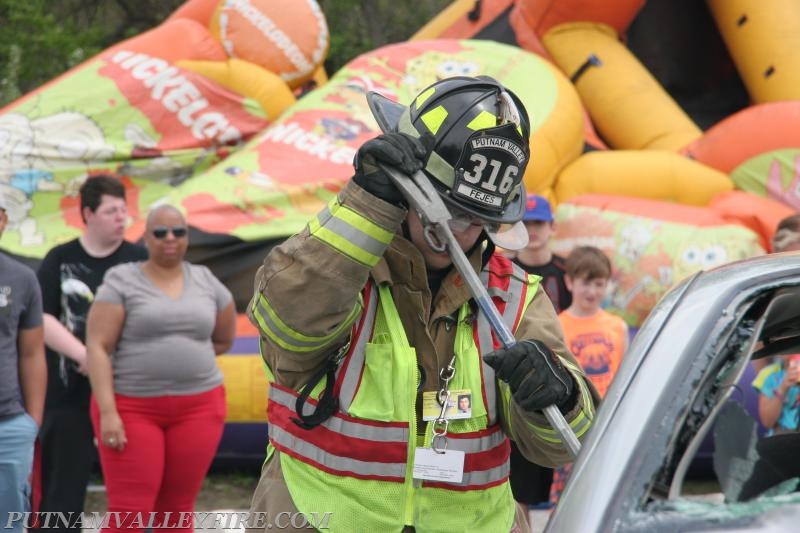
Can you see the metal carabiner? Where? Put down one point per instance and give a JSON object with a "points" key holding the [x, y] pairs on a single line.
{"points": [[433, 239], [437, 448]]}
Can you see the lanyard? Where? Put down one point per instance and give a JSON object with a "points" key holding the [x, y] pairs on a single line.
{"points": [[439, 426]]}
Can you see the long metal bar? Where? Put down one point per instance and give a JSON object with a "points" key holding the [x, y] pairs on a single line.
{"points": [[422, 197]]}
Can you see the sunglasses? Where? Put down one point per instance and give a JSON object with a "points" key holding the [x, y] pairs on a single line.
{"points": [[160, 232]]}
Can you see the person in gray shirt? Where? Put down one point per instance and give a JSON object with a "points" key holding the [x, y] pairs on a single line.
{"points": [[23, 380], [158, 403]]}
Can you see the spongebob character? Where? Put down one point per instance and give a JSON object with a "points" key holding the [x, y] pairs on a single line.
{"points": [[351, 96], [433, 66], [714, 247]]}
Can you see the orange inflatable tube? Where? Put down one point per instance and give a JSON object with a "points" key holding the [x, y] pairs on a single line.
{"points": [[526, 36], [748, 133], [760, 214], [542, 15]]}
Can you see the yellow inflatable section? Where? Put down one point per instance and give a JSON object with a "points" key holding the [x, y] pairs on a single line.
{"points": [[763, 38], [245, 387], [628, 106], [558, 137], [247, 79], [656, 175]]}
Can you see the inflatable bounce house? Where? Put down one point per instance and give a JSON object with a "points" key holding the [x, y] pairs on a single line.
{"points": [[225, 111]]}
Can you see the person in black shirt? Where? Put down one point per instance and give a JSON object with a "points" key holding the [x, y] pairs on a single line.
{"points": [[69, 275], [536, 258], [530, 482]]}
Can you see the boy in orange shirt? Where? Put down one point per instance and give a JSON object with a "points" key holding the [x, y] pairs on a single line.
{"points": [[597, 338]]}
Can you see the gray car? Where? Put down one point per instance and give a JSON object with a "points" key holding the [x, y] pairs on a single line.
{"points": [[678, 383]]}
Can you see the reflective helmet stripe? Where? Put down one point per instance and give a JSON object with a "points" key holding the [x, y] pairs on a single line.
{"points": [[434, 118], [482, 121], [404, 125], [441, 169], [436, 165]]}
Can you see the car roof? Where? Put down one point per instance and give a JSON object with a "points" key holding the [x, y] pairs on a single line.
{"points": [[678, 350]]}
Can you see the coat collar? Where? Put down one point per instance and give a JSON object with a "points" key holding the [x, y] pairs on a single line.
{"points": [[402, 263]]}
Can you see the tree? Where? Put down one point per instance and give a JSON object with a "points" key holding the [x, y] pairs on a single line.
{"points": [[358, 26]]}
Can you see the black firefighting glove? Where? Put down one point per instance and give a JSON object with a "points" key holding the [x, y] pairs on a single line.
{"points": [[535, 376], [398, 150]]}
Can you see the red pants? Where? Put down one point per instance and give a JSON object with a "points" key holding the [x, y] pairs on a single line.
{"points": [[171, 443]]}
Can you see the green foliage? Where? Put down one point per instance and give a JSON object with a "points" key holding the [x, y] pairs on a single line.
{"points": [[36, 46], [41, 39], [358, 26], [9, 80]]}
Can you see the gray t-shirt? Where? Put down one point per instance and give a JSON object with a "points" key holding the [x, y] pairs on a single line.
{"points": [[20, 308], [165, 346]]}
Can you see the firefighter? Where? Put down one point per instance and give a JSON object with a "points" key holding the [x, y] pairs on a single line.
{"points": [[369, 335]]}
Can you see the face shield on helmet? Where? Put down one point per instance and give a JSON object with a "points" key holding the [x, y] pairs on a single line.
{"points": [[479, 152]]}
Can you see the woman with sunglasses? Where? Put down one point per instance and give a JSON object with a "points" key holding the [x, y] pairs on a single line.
{"points": [[158, 405]]}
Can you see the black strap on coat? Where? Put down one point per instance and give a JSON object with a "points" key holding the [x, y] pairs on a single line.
{"points": [[327, 404]]}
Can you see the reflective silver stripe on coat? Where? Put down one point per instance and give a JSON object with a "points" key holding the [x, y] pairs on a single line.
{"points": [[512, 296], [485, 345], [294, 445], [484, 477], [475, 444], [277, 331], [513, 300], [355, 363], [355, 235], [341, 426]]}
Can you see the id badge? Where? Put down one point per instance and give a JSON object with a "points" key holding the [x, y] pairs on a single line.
{"points": [[447, 466], [458, 407]]}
